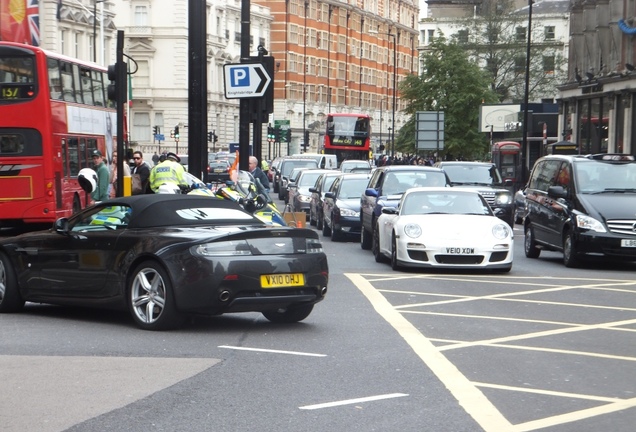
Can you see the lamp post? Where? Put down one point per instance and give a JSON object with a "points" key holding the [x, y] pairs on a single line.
{"points": [[394, 36], [101, 19], [524, 146]]}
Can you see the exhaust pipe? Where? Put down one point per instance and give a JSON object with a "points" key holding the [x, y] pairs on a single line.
{"points": [[323, 291], [224, 296]]}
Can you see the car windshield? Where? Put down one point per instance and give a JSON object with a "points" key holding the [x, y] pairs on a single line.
{"points": [[352, 187], [473, 174], [602, 177], [308, 178], [445, 203], [290, 165], [399, 182]]}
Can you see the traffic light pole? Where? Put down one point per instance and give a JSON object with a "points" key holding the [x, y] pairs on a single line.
{"points": [[121, 100]]}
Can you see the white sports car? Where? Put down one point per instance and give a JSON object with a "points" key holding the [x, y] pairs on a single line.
{"points": [[443, 227]]}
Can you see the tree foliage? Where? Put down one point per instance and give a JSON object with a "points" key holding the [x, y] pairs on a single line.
{"points": [[452, 83]]}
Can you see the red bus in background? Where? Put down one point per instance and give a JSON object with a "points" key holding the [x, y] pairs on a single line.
{"points": [[348, 136], [54, 111]]}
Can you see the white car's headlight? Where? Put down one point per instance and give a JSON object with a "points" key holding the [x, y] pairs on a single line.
{"points": [[501, 231], [589, 223], [413, 230], [348, 212], [503, 198]]}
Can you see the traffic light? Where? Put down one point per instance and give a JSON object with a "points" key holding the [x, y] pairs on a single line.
{"points": [[171, 133], [155, 130], [209, 136], [270, 134], [277, 134], [215, 136], [306, 141], [288, 135], [112, 87], [176, 132]]}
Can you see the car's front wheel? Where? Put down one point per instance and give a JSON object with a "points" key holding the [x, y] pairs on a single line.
{"points": [[530, 245], [10, 298], [394, 261], [291, 314], [326, 229], [151, 298], [365, 238], [570, 254], [375, 247]]}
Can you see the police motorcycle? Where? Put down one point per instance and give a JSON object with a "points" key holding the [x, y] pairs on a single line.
{"points": [[245, 190], [250, 193]]}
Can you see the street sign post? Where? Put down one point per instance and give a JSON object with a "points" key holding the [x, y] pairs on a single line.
{"points": [[245, 80]]}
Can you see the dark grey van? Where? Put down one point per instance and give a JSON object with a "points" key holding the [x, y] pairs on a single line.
{"points": [[583, 206]]}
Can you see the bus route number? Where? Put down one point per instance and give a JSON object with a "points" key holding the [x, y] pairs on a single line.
{"points": [[9, 93]]}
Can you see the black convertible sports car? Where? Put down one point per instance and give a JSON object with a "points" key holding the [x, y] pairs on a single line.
{"points": [[164, 257]]}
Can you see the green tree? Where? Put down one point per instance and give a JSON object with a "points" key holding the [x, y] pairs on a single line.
{"points": [[452, 83]]}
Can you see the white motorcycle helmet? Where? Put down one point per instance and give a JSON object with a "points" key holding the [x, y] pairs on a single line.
{"points": [[87, 179], [168, 189]]}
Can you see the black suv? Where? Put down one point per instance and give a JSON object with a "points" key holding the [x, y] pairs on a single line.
{"points": [[484, 177], [583, 206], [386, 187]]}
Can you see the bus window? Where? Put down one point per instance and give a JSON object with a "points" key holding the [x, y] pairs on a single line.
{"points": [[87, 86], [92, 146], [105, 80], [66, 73], [73, 155], [17, 69], [85, 157], [11, 144], [55, 82], [77, 84], [98, 88]]}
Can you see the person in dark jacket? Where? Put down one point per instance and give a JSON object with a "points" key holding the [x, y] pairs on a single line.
{"points": [[142, 169], [258, 173]]}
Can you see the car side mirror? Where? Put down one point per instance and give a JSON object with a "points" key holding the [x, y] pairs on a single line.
{"points": [[329, 195], [61, 226], [557, 192], [389, 210]]}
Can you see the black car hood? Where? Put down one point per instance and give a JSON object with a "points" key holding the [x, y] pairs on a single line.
{"points": [[609, 205]]}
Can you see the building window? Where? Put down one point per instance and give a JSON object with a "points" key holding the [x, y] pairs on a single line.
{"points": [[548, 65], [462, 36], [141, 127], [141, 16], [521, 34], [431, 36], [549, 33]]}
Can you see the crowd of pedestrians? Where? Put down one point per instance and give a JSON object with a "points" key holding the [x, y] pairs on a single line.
{"points": [[406, 159]]}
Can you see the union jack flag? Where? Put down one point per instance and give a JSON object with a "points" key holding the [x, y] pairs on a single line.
{"points": [[33, 17]]}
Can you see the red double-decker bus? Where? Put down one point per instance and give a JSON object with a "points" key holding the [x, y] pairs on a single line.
{"points": [[54, 111], [348, 136]]}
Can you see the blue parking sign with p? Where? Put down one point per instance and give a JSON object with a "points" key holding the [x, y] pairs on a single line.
{"points": [[240, 77]]}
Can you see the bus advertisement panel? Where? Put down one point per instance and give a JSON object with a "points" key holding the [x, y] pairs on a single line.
{"points": [[54, 112], [348, 136]]}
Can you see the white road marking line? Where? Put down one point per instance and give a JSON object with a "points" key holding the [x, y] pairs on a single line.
{"points": [[621, 405], [273, 351], [538, 334], [470, 397], [549, 392], [352, 401]]}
